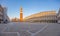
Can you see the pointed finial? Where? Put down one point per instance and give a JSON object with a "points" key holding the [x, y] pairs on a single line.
{"points": [[21, 7]]}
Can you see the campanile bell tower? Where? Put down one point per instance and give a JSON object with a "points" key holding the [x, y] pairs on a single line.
{"points": [[21, 15]]}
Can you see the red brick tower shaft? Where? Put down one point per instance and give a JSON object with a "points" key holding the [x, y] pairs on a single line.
{"points": [[21, 15]]}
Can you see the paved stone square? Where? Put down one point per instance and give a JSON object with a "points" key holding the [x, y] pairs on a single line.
{"points": [[29, 29]]}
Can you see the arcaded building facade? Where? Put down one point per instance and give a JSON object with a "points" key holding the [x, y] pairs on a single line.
{"points": [[58, 16], [3, 15], [46, 17]]}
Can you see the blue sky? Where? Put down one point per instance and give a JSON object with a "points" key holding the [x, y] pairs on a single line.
{"points": [[29, 6]]}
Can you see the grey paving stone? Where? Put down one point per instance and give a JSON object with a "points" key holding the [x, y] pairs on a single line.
{"points": [[9, 34], [2, 27], [18, 27], [24, 33], [51, 30]]}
